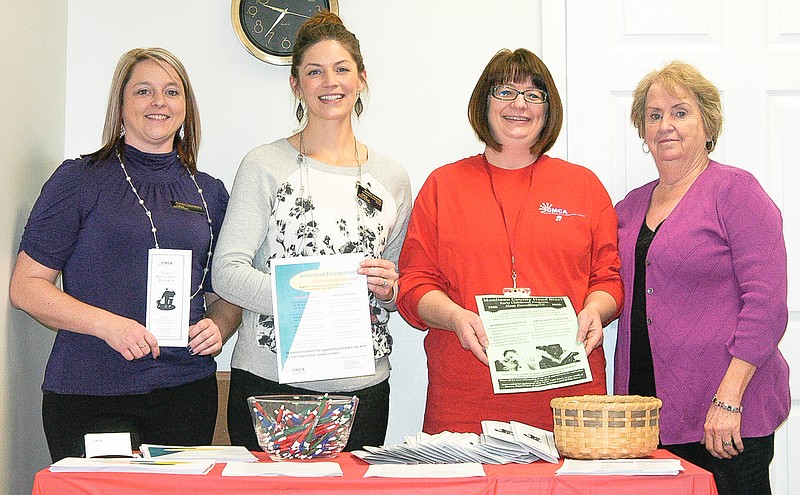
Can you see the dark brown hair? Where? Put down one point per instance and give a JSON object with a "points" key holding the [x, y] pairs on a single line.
{"points": [[517, 66]]}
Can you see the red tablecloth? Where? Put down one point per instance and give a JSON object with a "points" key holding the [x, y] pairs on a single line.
{"points": [[512, 479]]}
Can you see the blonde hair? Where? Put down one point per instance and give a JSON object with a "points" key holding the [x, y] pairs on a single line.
{"points": [[187, 142], [675, 76]]}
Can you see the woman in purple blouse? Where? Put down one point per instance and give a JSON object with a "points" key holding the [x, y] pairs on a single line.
{"points": [[93, 225], [704, 268]]}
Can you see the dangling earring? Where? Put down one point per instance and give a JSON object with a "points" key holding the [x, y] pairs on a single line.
{"points": [[645, 148], [359, 106], [300, 112], [121, 129], [181, 132]]}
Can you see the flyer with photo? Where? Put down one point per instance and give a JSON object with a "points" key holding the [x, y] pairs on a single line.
{"points": [[532, 343]]}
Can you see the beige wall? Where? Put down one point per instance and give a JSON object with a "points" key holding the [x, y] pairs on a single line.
{"points": [[33, 37]]}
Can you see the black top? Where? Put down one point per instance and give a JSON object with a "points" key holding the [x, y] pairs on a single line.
{"points": [[642, 380]]}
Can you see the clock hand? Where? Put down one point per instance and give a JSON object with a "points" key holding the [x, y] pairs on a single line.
{"points": [[276, 9], [283, 14], [298, 15]]}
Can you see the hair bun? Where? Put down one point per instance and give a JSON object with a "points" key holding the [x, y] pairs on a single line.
{"points": [[321, 18]]}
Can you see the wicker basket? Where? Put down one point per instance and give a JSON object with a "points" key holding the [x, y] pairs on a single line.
{"points": [[606, 426]]}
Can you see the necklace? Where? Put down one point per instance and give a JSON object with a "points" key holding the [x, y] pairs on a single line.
{"points": [[154, 230], [305, 193]]}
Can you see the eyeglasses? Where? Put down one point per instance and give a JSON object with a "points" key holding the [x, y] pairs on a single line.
{"points": [[507, 93]]}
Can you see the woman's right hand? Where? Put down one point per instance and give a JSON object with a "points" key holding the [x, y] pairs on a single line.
{"points": [[131, 339], [468, 327]]}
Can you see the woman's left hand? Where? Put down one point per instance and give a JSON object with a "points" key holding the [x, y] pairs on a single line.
{"points": [[590, 329], [381, 277], [205, 337], [722, 432]]}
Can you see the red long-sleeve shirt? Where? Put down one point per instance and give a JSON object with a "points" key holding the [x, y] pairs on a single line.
{"points": [[562, 224]]}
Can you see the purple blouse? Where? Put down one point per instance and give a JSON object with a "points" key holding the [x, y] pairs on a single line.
{"points": [[88, 224], [716, 288]]}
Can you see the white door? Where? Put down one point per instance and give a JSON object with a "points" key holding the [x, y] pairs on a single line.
{"points": [[751, 51]]}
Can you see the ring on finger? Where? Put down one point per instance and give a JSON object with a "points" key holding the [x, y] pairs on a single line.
{"points": [[385, 283], [143, 346], [726, 444]]}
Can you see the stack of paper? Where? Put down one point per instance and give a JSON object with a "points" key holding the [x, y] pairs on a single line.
{"points": [[633, 467], [500, 443], [301, 469], [131, 465], [215, 453]]}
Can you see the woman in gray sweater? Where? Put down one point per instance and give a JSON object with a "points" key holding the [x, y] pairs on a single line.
{"points": [[318, 192]]}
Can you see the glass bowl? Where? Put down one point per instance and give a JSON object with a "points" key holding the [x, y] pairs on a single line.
{"points": [[302, 426]]}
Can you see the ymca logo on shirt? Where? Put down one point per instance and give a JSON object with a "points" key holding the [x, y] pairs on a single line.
{"points": [[560, 213]]}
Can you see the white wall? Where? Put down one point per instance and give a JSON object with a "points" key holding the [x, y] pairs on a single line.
{"points": [[32, 76]]}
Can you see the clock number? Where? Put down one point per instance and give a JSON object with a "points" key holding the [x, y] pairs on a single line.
{"points": [[253, 10], [319, 8], [286, 44], [265, 3], [269, 36], [258, 27]]}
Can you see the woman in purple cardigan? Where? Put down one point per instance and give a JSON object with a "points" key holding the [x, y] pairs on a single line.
{"points": [[704, 268]]}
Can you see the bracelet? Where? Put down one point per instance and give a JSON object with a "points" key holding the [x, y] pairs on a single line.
{"points": [[727, 407]]}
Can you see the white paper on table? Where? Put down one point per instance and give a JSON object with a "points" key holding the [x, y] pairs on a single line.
{"points": [[540, 442], [283, 468], [462, 470], [81, 465], [108, 445], [169, 278], [323, 326], [629, 467]]}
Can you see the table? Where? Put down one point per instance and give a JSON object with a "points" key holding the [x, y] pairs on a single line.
{"points": [[507, 479]]}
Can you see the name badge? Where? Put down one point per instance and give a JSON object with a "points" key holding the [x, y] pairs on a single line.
{"points": [[369, 197], [517, 292], [169, 278]]}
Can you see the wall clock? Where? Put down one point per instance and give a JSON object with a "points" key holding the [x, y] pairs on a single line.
{"points": [[267, 28]]}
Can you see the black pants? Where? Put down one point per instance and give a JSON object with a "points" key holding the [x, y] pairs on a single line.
{"points": [[744, 474], [369, 425], [183, 415]]}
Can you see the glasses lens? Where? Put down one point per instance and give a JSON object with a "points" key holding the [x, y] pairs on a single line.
{"points": [[504, 93], [535, 96]]}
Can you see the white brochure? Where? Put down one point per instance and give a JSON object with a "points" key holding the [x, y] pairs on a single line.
{"points": [[169, 278], [322, 321], [532, 343]]}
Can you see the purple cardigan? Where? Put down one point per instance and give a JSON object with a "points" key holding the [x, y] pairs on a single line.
{"points": [[716, 288]]}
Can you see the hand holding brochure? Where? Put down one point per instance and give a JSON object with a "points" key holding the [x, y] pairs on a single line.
{"points": [[533, 343]]}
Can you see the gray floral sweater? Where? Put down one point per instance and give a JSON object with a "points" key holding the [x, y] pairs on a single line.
{"points": [[281, 206]]}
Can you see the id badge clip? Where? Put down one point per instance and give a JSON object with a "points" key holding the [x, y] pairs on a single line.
{"points": [[517, 292]]}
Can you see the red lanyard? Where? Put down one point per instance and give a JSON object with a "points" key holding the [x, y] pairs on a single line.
{"points": [[512, 238]]}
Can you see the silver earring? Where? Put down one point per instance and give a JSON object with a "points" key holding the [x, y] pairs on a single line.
{"points": [[121, 130], [181, 132], [710, 145], [645, 148]]}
